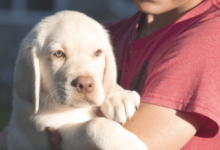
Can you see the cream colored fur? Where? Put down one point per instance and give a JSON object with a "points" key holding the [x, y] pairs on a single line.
{"points": [[45, 97]]}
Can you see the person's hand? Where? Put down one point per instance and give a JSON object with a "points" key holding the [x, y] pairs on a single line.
{"points": [[3, 139], [54, 138]]}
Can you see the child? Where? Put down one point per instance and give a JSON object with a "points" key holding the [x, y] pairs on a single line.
{"points": [[169, 52]]}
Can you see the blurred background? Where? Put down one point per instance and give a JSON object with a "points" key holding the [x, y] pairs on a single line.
{"points": [[17, 17]]}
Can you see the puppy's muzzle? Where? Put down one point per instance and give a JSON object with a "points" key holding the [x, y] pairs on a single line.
{"points": [[84, 84]]}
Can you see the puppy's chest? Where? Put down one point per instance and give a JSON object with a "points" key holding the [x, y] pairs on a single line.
{"points": [[58, 119]]}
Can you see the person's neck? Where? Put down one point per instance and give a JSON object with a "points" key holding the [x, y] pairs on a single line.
{"points": [[156, 22], [153, 22]]}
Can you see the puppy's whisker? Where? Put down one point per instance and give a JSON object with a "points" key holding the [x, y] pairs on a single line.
{"points": [[105, 92], [50, 98], [54, 83]]}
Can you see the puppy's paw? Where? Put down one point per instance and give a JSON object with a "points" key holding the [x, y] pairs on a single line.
{"points": [[121, 106], [105, 138]]}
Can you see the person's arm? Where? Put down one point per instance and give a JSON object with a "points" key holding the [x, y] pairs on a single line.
{"points": [[162, 128]]}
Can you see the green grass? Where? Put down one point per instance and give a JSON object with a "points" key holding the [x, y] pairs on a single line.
{"points": [[4, 117], [5, 106]]}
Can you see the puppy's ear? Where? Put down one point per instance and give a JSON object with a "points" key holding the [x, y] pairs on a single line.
{"points": [[27, 76], [110, 72]]}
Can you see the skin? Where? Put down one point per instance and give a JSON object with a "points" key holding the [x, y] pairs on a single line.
{"points": [[160, 128], [160, 13]]}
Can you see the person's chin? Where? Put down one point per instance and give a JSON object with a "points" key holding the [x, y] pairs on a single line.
{"points": [[150, 8]]}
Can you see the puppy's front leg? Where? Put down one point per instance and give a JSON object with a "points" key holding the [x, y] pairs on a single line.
{"points": [[99, 134], [121, 106], [76, 137]]}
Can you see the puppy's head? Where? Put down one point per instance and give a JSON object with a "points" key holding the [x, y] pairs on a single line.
{"points": [[69, 58]]}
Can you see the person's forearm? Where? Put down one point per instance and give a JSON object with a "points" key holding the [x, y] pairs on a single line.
{"points": [[162, 128]]}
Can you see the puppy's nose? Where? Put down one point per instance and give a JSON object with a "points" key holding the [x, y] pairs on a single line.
{"points": [[84, 84]]}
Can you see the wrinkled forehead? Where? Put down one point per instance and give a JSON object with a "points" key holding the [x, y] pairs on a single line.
{"points": [[78, 36]]}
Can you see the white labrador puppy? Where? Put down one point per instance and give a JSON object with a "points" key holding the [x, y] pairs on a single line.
{"points": [[64, 71]]}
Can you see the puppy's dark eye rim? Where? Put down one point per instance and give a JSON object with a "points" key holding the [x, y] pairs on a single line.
{"points": [[59, 54], [98, 52]]}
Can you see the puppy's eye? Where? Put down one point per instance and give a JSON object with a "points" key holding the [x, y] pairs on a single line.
{"points": [[97, 53], [59, 54]]}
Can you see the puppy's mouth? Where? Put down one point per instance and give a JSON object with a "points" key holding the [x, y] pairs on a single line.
{"points": [[89, 100], [82, 102]]}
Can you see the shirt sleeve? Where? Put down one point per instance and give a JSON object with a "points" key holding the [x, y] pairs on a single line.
{"points": [[187, 77]]}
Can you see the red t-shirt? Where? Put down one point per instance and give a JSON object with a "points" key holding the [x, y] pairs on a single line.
{"points": [[177, 66]]}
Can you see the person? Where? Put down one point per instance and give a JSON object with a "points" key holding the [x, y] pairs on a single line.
{"points": [[169, 52]]}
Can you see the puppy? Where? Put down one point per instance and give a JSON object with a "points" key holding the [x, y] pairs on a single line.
{"points": [[65, 71]]}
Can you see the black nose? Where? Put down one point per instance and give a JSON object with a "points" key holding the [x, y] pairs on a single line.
{"points": [[84, 84]]}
